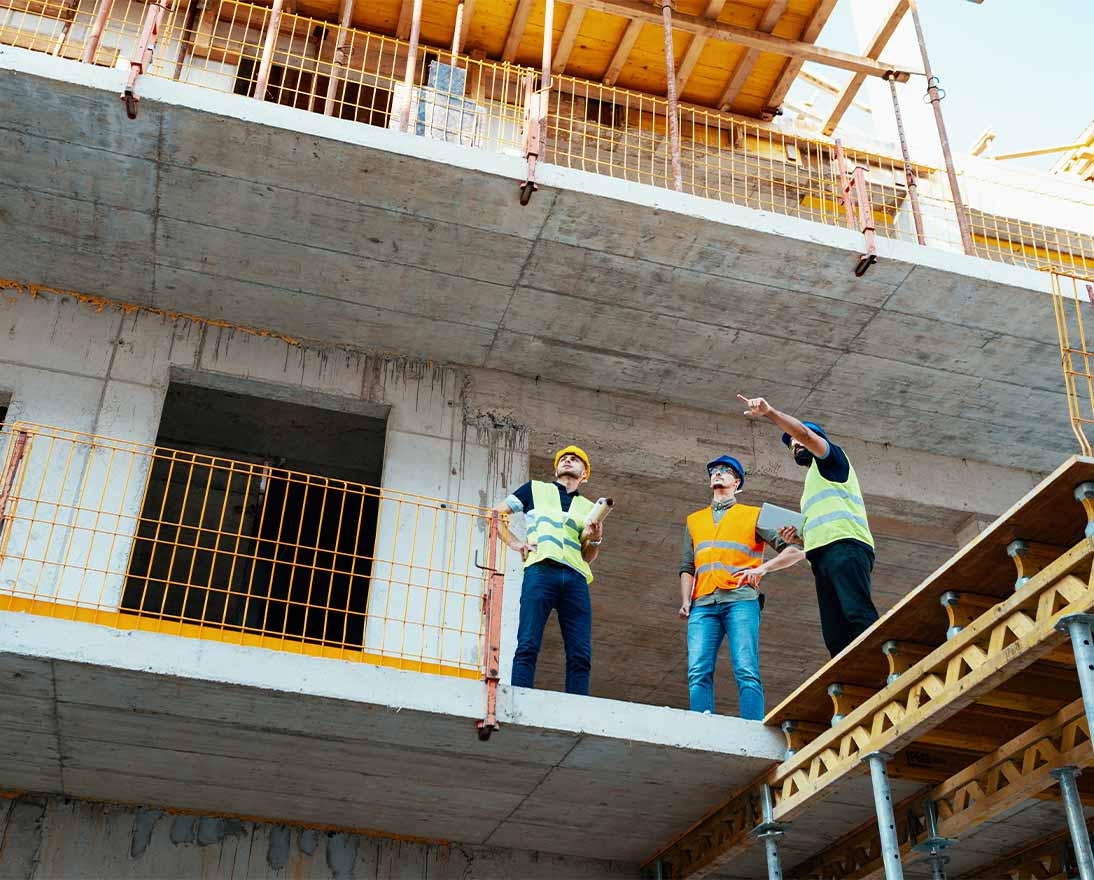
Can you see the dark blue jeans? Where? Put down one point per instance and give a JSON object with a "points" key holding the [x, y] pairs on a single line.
{"points": [[550, 585]]}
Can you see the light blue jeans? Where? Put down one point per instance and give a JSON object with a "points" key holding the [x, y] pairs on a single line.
{"points": [[706, 627]]}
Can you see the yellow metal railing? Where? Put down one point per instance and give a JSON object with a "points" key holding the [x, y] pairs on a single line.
{"points": [[321, 67], [172, 541], [1073, 303]]}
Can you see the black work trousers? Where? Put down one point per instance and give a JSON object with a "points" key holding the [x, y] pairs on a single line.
{"points": [[842, 572]]}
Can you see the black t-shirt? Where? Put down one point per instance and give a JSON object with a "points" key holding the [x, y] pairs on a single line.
{"points": [[524, 496]]}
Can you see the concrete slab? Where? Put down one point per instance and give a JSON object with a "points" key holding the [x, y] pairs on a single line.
{"points": [[156, 719], [324, 229]]}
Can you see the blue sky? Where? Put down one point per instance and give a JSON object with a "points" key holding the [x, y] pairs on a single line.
{"points": [[1026, 69]]}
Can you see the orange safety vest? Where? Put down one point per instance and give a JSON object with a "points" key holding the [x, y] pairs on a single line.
{"points": [[724, 550]]}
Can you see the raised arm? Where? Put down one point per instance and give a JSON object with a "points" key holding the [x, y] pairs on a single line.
{"points": [[811, 440]]}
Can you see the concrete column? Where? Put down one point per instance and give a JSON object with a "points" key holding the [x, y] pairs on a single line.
{"points": [[425, 596]]}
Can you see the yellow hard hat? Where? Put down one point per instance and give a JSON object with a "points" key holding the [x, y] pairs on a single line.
{"points": [[579, 452]]}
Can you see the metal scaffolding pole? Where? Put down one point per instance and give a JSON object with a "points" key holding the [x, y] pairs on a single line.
{"points": [[935, 98], [886, 821], [909, 172], [769, 831], [1076, 821], [670, 74], [934, 845]]}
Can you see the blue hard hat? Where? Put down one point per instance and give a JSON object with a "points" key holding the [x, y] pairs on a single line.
{"points": [[733, 463], [812, 426]]}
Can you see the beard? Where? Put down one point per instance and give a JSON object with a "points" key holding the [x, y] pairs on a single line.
{"points": [[803, 457]]}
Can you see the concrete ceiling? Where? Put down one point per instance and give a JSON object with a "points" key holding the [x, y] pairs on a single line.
{"points": [[340, 242]]}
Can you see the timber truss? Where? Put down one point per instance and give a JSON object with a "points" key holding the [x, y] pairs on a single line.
{"points": [[972, 686]]}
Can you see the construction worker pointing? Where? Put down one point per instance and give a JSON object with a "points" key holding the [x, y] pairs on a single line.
{"points": [[836, 535], [556, 554]]}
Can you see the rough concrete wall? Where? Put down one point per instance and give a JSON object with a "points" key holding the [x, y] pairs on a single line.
{"points": [[48, 837]]}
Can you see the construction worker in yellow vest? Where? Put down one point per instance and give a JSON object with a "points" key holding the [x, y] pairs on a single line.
{"points": [[721, 566], [835, 534], [556, 554]]}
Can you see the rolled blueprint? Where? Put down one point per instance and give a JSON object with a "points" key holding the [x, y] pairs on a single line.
{"points": [[600, 510]]}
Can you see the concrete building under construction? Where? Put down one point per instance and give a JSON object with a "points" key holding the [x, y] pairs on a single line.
{"points": [[293, 293]]}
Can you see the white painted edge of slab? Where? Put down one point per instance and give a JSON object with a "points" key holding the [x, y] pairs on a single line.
{"points": [[69, 641], [657, 725], [246, 109]]}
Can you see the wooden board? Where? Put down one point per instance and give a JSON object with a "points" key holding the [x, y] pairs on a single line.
{"points": [[1048, 514]]}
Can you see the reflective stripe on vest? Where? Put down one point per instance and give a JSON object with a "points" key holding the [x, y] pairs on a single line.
{"points": [[725, 549], [555, 532], [833, 511]]}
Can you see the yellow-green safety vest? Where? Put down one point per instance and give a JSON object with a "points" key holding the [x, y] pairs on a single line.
{"points": [[833, 511], [557, 533]]}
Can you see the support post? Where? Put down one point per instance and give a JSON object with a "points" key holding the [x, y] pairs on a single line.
{"points": [[339, 56], [1081, 629], [144, 52], [909, 172], [548, 45], [91, 48], [411, 65], [492, 598], [936, 99], [844, 188], [886, 821], [670, 74], [458, 32], [186, 44], [769, 831], [266, 61], [934, 845], [19, 448], [1076, 821]]}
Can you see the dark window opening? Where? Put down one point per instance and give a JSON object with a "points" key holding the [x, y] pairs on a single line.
{"points": [[308, 91], [257, 518], [604, 112]]}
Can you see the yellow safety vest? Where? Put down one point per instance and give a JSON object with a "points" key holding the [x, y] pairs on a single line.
{"points": [[724, 550], [557, 533], [833, 511]]}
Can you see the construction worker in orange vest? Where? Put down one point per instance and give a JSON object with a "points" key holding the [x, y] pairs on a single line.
{"points": [[721, 566], [556, 554]]}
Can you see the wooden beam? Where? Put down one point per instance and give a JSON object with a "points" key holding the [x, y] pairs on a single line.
{"points": [[568, 38], [794, 49], [468, 11], [406, 14], [695, 47], [747, 62], [873, 50], [516, 30], [790, 70], [619, 57], [826, 85]]}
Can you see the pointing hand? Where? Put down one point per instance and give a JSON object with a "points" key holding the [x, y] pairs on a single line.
{"points": [[757, 406]]}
